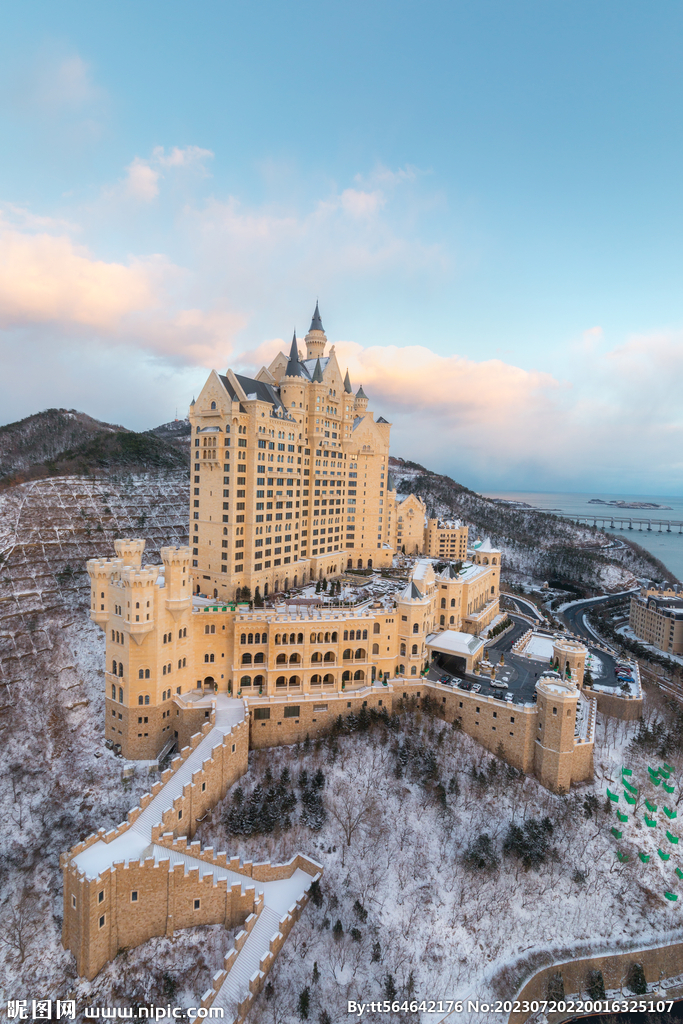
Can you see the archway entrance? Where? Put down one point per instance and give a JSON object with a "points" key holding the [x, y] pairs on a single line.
{"points": [[209, 684]]}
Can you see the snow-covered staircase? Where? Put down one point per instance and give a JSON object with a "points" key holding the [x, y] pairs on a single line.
{"points": [[235, 989]]}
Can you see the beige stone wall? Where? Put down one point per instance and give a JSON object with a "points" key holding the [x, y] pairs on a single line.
{"points": [[663, 962], [652, 625], [410, 525], [443, 541], [627, 709], [282, 726]]}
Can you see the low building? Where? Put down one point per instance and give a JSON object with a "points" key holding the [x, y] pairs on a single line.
{"points": [[657, 617]]}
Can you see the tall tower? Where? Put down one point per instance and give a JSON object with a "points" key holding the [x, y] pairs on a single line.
{"points": [[554, 749], [316, 338]]}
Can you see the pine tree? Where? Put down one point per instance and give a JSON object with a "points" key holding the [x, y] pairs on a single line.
{"points": [[319, 779], [390, 991], [316, 973], [304, 1003], [316, 894], [376, 953], [338, 931]]}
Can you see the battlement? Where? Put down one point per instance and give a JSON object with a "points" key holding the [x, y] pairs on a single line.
{"points": [[130, 550]]}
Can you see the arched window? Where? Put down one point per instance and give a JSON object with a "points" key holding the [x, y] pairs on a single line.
{"points": [[442, 620], [250, 638], [375, 648], [114, 668], [280, 681], [365, 634], [293, 680], [312, 638], [403, 650], [163, 671], [245, 681], [258, 680], [329, 678], [243, 638], [113, 691], [414, 649], [334, 638], [492, 590], [360, 654], [292, 638], [346, 634], [284, 638], [376, 628], [315, 678], [213, 405], [401, 670], [120, 668], [416, 628], [346, 676], [246, 658], [140, 699], [146, 698], [281, 659], [443, 602], [300, 638], [494, 561], [452, 602], [359, 674], [316, 657], [146, 673], [452, 620], [347, 655], [259, 658], [329, 657], [141, 674], [413, 670], [294, 659], [120, 695], [277, 638]]}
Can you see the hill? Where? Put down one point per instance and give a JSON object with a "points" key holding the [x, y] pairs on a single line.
{"points": [[60, 442], [535, 545]]}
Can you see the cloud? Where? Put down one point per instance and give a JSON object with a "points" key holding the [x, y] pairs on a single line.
{"points": [[46, 278], [142, 177]]}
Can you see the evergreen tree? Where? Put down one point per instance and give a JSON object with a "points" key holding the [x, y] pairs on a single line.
{"points": [[376, 952], [304, 1003], [285, 776], [324, 1017], [338, 931], [595, 985], [316, 973], [318, 780], [636, 980], [390, 991], [360, 911], [316, 894]]}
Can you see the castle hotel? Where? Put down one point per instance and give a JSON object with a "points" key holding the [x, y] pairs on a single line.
{"points": [[290, 484]]}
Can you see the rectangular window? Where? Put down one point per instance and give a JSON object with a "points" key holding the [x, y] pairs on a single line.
{"points": [[134, 896], [261, 713], [292, 711], [102, 921]]}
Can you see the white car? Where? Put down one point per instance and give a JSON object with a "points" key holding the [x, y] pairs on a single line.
{"points": [[498, 684]]}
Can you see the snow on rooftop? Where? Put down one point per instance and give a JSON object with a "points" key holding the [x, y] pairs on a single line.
{"points": [[540, 647], [452, 642]]}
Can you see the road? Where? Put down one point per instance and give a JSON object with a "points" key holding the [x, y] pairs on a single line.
{"points": [[574, 615]]}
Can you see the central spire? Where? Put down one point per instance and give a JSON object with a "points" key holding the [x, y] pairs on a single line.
{"points": [[316, 339]]}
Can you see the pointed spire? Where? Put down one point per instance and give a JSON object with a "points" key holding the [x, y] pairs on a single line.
{"points": [[360, 393], [347, 384], [317, 377], [294, 367], [316, 322]]}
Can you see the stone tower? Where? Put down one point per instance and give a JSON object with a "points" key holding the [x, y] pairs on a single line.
{"points": [[316, 338], [554, 747]]}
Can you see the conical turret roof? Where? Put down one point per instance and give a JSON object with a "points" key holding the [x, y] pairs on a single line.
{"points": [[360, 393], [316, 322], [317, 377], [347, 384], [294, 367]]}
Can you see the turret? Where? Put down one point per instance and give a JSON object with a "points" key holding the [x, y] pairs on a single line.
{"points": [[100, 572], [139, 586], [177, 586], [130, 551], [316, 339], [570, 659], [556, 701], [361, 402]]}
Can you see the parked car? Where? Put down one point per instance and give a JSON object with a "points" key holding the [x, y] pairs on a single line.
{"points": [[476, 687], [445, 679], [498, 684], [509, 697], [464, 685]]}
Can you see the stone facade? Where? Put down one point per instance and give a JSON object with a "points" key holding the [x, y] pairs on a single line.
{"points": [[656, 616]]}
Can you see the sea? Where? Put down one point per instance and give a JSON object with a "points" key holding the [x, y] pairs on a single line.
{"points": [[668, 547]]}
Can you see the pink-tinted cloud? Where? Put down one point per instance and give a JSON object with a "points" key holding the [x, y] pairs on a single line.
{"points": [[45, 277], [143, 176]]}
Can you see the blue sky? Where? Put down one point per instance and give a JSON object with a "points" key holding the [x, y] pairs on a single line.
{"points": [[485, 197]]}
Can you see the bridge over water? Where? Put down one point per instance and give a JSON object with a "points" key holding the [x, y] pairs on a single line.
{"points": [[619, 521]]}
